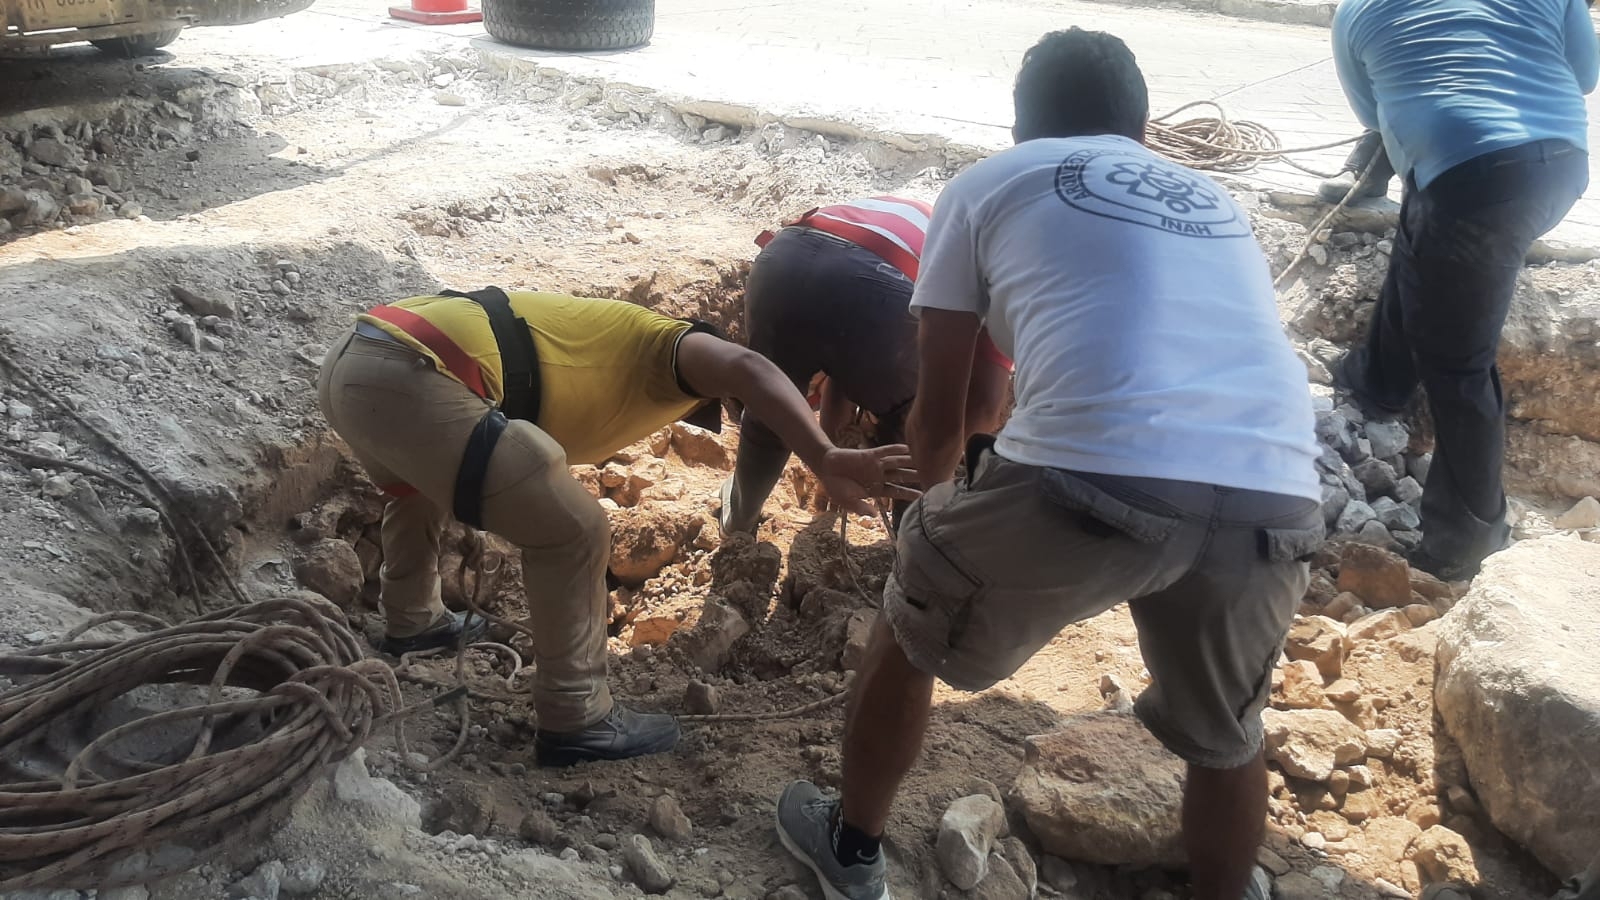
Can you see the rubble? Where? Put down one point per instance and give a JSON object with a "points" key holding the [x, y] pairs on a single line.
{"points": [[1101, 789], [644, 867], [1309, 743], [331, 568], [668, 819], [967, 832], [1583, 514]]}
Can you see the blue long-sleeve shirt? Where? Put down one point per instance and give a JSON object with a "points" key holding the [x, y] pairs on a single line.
{"points": [[1446, 81]]}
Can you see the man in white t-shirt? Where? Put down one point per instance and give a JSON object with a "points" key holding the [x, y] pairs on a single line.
{"points": [[1160, 454]]}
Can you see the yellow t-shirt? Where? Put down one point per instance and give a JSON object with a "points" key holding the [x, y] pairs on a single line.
{"points": [[608, 369]]}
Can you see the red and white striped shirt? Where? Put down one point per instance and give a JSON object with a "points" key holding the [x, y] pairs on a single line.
{"points": [[891, 227]]}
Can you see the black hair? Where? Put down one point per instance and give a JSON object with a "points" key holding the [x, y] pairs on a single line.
{"points": [[1076, 83]]}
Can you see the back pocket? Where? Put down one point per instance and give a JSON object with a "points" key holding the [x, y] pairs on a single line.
{"points": [[1102, 514]]}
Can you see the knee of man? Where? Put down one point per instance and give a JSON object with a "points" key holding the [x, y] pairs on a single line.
{"points": [[594, 532]]}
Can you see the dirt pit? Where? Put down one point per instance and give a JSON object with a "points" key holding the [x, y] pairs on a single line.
{"points": [[243, 218]]}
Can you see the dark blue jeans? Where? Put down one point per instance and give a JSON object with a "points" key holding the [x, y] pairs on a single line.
{"points": [[1460, 247]]}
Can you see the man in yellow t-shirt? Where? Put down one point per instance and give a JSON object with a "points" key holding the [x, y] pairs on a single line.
{"points": [[475, 405]]}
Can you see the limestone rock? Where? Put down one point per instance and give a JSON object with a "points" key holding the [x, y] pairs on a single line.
{"points": [[1519, 689], [698, 447], [1583, 514], [1381, 579], [1380, 625], [303, 876], [1321, 641], [264, 883], [331, 568], [967, 833], [1102, 790], [644, 539], [1299, 886], [1309, 743], [1302, 686], [1443, 855], [668, 819], [857, 630], [642, 864], [700, 699], [709, 642]]}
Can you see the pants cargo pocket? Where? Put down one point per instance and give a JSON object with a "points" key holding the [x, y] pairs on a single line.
{"points": [[1281, 545]]}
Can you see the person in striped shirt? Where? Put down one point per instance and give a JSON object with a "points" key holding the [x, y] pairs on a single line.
{"points": [[828, 302]]}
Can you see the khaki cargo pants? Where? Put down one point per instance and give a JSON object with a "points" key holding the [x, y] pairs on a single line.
{"points": [[409, 424], [990, 569]]}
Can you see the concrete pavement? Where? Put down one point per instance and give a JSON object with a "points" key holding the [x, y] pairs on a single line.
{"points": [[921, 67]]}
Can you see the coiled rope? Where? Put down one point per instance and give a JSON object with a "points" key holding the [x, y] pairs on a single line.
{"points": [[1217, 143], [312, 700]]}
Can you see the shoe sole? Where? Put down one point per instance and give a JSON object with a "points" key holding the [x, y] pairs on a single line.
{"points": [[828, 890], [473, 634], [561, 757]]}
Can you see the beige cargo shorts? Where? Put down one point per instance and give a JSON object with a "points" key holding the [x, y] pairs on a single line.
{"points": [[993, 566]]}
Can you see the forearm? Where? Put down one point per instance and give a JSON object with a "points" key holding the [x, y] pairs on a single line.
{"points": [[778, 404], [936, 443]]}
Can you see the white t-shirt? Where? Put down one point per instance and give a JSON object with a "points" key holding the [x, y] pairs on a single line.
{"points": [[1140, 312]]}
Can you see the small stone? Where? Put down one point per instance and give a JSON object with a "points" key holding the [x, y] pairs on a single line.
{"points": [[292, 277], [264, 883], [204, 304], [1309, 743], [668, 819], [1443, 855], [1395, 515], [1379, 626], [1583, 514], [1377, 476], [647, 871], [85, 204], [788, 892], [52, 152], [143, 520], [538, 828], [1381, 579], [1302, 686], [449, 98], [1361, 776], [1334, 499], [571, 854], [1388, 438], [1314, 840], [857, 631], [279, 287], [1341, 603], [130, 210], [57, 487], [303, 876], [700, 699], [1298, 886], [967, 832], [16, 409], [1343, 691], [1382, 742], [1461, 800], [1356, 515], [1420, 614], [1318, 254], [211, 343], [1320, 640], [1271, 861], [311, 354], [1374, 534], [131, 892], [1417, 467], [1408, 491], [184, 328]]}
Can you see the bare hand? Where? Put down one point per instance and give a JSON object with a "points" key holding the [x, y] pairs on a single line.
{"points": [[853, 477]]}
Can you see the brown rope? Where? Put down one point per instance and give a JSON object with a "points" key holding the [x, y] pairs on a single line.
{"points": [[316, 699], [1220, 144]]}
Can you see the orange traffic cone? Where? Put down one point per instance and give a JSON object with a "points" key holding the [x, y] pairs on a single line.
{"points": [[437, 12]]}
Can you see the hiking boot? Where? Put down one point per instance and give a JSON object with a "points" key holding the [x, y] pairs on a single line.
{"points": [[622, 734], [446, 632], [805, 827], [1368, 151]]}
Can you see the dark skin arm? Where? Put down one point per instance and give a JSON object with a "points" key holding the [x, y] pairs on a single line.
{"points": [[717, 368], [937, 425], [836, 410]]}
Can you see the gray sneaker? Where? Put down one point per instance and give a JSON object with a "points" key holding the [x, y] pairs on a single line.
{"points": [[805, 820], [1260, 886]]}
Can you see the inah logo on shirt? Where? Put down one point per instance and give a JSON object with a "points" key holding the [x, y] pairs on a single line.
{"points": [[1133, 187]]}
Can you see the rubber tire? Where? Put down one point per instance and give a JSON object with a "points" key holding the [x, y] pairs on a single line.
{"points": [[139, 44], [571, 24]]}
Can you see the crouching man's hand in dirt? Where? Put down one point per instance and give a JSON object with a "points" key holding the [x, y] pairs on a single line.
{"points": [[717, 368], [853, 478]]}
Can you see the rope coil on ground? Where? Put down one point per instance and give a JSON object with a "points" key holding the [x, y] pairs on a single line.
{"points": [[1220, 144], [310, 699]]}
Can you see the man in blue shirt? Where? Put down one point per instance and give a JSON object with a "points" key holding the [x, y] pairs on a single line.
{"points": [[1481, 107]]}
